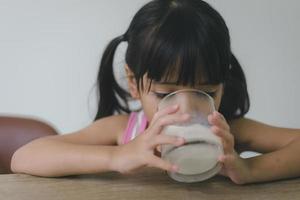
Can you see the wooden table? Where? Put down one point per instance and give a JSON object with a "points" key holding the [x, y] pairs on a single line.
{"points": [[146, 184]]}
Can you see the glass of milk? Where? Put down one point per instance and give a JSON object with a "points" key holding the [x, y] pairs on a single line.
{"points": [[197, 158]]}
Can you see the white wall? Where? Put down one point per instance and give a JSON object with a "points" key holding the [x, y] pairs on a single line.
{"points": [[265, 37], [50, 52]]}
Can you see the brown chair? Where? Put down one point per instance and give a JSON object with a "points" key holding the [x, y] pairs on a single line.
{"points": [[16, 132]]}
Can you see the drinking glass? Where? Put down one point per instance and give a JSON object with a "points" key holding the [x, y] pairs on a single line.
{"points": [[197, 159]]}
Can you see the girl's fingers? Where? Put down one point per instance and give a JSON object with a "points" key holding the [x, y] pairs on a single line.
{"points": [[227, 138], [161, 164], [166, 111], [227, 160], [223, 171], [157, 127], [216, 113], [167, 139], [218, 120], [222, 158]]}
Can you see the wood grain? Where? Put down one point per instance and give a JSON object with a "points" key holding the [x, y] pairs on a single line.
{"points": [[146, 184]]}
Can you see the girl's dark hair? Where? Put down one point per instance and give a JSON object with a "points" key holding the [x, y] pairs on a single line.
{"points": [[182, 40]]}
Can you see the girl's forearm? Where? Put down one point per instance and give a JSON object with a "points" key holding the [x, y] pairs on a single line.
{"points": [[53, 158], [280, 164]]}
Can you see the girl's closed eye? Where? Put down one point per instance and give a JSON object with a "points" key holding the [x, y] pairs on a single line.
{"points": [[161, 94], [212, 94]]}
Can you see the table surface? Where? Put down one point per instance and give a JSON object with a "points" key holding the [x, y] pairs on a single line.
{"points": [[146, 184]]}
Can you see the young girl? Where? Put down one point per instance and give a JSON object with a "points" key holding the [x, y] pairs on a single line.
{"points": [[172, 45]]}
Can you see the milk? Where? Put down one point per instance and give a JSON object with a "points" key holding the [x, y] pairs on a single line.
{"points": [[199, 154], [192, 132]]}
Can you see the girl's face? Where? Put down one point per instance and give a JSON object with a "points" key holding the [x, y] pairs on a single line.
{"points": [[150, 99]]}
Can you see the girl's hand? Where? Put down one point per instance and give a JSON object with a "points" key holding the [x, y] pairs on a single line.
{"points": [[140, 151], [234, 167]]}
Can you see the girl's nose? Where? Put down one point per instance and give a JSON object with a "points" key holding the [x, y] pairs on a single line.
{"points": [[187, 102]]}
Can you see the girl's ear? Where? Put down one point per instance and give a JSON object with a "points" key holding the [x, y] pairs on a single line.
{"points": [[132, 84]]}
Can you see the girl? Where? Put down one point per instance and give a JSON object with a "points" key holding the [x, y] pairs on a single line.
{"points": [[172, 45]]}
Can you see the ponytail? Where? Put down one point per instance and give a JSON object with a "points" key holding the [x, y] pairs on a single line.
{"points": [[110, 93], [235, 101]]}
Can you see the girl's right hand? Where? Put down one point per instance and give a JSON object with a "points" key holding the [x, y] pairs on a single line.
{"points": [[139, 152]]}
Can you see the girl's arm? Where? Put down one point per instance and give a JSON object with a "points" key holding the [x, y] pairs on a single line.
{"points": [[82, 152], [281, 148], [91, 150]]}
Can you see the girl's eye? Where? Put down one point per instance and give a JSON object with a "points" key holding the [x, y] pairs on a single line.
{"points": [[160, 95], [212, 94]]}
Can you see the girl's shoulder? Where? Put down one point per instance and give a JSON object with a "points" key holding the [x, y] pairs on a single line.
{"points": [[116, 129], [104, 131], [113, 127]]}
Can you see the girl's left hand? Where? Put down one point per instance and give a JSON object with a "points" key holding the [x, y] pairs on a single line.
{"points": [[233, 166]]}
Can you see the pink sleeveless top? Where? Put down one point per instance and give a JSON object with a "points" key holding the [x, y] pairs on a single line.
{"points": [[137, 123]]}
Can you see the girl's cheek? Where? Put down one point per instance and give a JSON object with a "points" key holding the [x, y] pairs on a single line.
{"points": [[149, 105]]}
